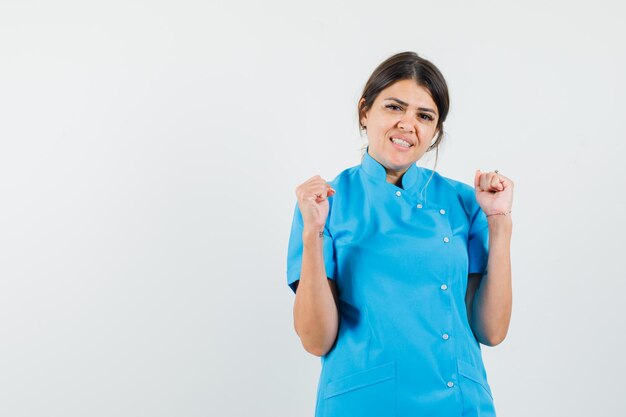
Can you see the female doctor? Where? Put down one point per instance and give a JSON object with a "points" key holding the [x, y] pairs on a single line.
{"points": [[399, 272]]}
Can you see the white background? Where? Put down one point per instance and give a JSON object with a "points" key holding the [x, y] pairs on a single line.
{"points": [[148, 159]]}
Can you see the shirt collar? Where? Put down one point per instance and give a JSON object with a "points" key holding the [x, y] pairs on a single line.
{"points": [[375, 169]]}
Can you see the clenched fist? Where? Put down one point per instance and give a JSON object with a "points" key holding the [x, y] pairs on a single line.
{"points": [[313, 202], [494, 192]]}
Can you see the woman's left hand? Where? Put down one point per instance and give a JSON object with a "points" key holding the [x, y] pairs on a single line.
{"points": [[494, 192]]}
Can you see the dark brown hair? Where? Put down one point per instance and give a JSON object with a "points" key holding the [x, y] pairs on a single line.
{"points": [[403, 66]]}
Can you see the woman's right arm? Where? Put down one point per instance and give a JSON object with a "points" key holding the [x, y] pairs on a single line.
{"points": [[315, 311]]}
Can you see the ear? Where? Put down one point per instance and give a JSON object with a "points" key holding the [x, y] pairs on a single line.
{"points": [[362, 113]]}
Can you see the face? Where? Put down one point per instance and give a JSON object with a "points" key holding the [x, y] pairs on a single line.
{"points": [[400, 126]]}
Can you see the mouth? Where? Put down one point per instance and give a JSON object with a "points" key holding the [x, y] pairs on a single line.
{"points": [[401, 141]]}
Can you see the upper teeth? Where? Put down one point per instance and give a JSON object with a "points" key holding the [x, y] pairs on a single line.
{"points": [[400, 142]]}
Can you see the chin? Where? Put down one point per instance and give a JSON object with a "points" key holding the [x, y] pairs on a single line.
{"points": [[402, 160]]}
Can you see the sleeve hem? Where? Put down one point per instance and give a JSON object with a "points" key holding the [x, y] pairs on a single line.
{"points": [[477, 266]]}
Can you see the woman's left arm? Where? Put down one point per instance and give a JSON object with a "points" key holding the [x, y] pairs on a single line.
{"points": [[489, 297]]}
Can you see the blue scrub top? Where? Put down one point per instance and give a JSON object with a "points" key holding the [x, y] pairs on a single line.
{"points": [[400, 257]]}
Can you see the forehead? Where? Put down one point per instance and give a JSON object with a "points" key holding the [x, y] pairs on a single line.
{"points": [[410, 92]]}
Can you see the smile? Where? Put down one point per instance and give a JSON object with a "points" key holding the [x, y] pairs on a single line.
{"points": [[401, 142]]}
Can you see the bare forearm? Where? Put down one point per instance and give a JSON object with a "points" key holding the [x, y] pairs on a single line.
{"points": [[491, 313], [316, 318]]}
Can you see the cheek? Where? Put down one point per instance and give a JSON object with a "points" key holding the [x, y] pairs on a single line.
{"points": [[382, 126], [388, 120], [426, 131]]}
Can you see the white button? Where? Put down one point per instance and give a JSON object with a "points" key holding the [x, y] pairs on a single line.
{"points": [[444, 287], [398, 193], [442, 211], [450, 384], [419, 206], [445, 336], [445, 239]]}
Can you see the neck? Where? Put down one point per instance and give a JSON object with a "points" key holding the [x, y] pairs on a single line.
{"points": [[395, 177]]}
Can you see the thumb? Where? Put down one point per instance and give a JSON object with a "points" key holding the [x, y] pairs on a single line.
{"points": [[327, 192], [477, 178]]}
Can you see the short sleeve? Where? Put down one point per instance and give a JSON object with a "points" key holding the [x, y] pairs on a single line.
{"points": [[294, 251], [478, 240]]}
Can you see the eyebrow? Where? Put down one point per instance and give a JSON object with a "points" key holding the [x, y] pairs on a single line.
{"points": [[406, 104]]}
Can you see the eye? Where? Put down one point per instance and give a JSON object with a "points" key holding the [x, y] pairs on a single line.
{"points": [[393, 107], [426, 116]]}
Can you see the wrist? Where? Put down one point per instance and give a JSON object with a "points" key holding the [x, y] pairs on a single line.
{"points": [[499, 213], [313, 233], [500, 223]]}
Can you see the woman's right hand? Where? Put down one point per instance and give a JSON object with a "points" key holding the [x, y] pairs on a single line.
{"points": [[313, 202]]}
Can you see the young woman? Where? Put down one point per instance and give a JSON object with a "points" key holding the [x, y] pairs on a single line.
{"points": [[399, 272]]}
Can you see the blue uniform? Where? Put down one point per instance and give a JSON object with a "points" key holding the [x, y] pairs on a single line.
{"points": [[400, 257]]}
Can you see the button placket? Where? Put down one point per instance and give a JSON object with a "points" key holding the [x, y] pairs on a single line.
{"points": [[448, 230], [448, 343]]}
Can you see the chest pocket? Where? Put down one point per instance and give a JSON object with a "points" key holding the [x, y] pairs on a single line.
{"points": [[371, 392]]}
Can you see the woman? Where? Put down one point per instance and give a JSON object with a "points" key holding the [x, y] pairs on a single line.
{"points": [[399, 272]]}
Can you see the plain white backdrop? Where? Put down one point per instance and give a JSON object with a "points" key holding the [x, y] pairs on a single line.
{"points": [[148, 159]]}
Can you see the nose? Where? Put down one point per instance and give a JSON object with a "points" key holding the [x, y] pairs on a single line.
{"points": [[406, 123]]}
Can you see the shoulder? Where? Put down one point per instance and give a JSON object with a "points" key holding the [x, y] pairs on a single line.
{"points": [[345, 177], [454, 190], [344, 181]]}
